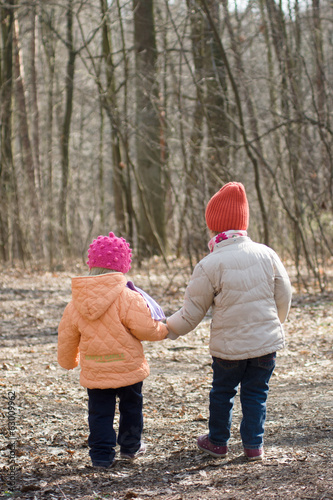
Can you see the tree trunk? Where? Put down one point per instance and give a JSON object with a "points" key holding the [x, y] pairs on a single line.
{"points": [[320, 98], [48, 41], [254, 127], [28, 163], [236, 90], [66, 126], [34, 100], [118, 181], [291, 102], [125, 133], [6, 155], [216, 103], [192, 211], [101, 186], [151, 231]]}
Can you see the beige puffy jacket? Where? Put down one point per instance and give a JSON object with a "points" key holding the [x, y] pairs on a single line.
{"points": [[102, 328], [250, 293]]}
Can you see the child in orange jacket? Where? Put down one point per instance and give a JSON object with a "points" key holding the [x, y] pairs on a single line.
{"points": [[102, 328]]}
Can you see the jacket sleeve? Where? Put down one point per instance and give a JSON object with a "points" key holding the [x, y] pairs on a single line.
{"points": [[137, 319], [68, 340], [282, 290], [199, 296]]}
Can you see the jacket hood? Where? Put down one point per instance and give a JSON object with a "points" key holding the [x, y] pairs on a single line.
{"points": [[93, 295]]}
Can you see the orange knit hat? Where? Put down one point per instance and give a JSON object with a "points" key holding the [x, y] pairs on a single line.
{"points": [[228, 209]]}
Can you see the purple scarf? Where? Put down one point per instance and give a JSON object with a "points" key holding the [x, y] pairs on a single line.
{"points": [[156, 310]]}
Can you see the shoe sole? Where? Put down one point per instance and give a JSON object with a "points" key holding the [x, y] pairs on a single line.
{"points": [[215, 455], [255, 459], [141, 451], [134, 457], [102, 467]]}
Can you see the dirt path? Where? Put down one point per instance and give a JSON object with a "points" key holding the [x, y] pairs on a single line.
{"points": [[44, 433]]}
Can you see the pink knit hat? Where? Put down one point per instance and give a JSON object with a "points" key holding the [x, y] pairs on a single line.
{"points": [[110, 252], [228, 209]]}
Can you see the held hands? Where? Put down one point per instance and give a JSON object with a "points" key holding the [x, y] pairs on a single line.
{"points": [[171, 335]]}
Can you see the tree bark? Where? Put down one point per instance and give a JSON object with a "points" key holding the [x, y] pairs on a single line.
{"points": [[6, 155], [48, 40], [118, 181], [34, 100], [66, 126], [149, 165], [253, 122], [125, 133], [36, 243], [216, 102]]}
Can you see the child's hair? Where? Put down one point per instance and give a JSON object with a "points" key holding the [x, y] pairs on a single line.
{"points": [[111, 253], [95, 271]]}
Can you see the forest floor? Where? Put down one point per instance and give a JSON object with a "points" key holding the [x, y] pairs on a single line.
{"points": [[44, 433]]}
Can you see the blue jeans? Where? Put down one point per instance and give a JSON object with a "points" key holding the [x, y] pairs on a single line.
{"points": [[102, 438], [253, 376]]}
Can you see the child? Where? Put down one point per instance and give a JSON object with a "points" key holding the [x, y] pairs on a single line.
{"points": [[250, 294], [103, 327]]}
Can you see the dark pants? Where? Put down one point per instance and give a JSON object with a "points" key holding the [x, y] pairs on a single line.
{"points": [[102, 438], [253, 376]]}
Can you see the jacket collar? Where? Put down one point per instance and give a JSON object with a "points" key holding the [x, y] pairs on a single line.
{"points": [[230, 241]]}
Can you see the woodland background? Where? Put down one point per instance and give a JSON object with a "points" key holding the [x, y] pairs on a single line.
{"points": [[127, 115]]}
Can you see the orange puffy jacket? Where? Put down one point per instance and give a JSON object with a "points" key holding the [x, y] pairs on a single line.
{"points": [[102, 328]]}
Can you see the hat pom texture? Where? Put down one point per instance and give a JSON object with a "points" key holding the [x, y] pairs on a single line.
{"points": [[110, 252], [228, 209]]}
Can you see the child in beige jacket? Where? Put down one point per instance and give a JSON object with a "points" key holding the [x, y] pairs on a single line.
{"points": [[250, 293]]}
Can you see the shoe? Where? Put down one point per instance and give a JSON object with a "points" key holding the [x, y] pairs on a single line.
{"points": [[212, 449], [252, 455], [100, 465], [132, 456]]}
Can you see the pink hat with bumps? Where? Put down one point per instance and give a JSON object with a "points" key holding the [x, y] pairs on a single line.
{"points": [[110, 252]]}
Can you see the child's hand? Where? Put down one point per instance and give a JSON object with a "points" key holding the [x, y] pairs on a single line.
{"points": [[172, 335]]}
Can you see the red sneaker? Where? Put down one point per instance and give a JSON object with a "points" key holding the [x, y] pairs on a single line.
{"points": [[212, 449], [256, 454]]}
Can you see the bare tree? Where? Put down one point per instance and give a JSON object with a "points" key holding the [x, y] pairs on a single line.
{"points": [[66, 126], [151, 229], [49, 46], [111, 106], [216, 101], [27, 155], [6, 156]]}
